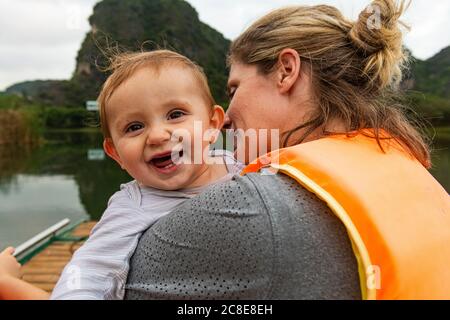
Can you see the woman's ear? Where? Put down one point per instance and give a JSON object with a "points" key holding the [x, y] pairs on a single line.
{"points": [[288, 71], [111, 151]]}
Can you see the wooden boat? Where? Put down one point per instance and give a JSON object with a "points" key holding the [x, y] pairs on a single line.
{"points": [[44, 256]]}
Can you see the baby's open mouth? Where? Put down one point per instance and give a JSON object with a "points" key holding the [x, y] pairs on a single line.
{"points": [[165, 162]]}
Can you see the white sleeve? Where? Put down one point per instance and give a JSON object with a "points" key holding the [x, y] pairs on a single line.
{"points": [[99, 269]]}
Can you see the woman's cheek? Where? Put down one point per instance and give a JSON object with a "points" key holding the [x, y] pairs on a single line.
{"points": [[234, 115]]}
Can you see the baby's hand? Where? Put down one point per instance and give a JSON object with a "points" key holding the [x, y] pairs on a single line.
{"points": [[9, 265]]}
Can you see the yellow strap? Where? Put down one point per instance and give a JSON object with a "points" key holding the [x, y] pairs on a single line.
{"points": [[358, 246]]}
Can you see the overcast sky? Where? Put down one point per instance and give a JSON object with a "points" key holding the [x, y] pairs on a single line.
{"points": [[39, 39]]}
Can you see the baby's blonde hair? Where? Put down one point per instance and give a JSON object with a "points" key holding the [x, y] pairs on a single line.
{"points": [[124, 65], [353, 65]]}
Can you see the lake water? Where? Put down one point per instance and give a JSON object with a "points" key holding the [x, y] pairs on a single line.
{"points": [[70, 177]]}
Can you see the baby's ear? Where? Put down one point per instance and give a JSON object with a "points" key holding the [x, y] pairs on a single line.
{"points": [[217, 118], [111, 151]]}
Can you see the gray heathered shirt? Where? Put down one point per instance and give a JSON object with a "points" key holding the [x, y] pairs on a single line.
{"points": [[254, 237]]}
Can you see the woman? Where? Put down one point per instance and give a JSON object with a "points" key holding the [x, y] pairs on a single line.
{"points": [[351, 213]]}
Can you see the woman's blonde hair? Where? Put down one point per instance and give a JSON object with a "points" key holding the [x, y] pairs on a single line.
{"points": [[355, 66], [124, 65]]}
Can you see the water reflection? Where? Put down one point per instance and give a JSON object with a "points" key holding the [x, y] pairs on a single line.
{"points": [[96, 154], [57, 180], [32, 203], [97, 180]]}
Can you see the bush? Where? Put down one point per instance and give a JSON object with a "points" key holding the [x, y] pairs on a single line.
{"points": [[19, 127], [67, 118], [12, 102], [434, 109]]}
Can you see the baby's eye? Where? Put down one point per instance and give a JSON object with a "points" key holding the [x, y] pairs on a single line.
{"points": [[134, 127], [175, 114]]}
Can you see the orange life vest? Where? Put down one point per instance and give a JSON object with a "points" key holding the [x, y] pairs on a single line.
{"points": [[396, 214]]}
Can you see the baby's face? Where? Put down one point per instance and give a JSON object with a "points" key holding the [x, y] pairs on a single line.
{"points": [[144, 113]]}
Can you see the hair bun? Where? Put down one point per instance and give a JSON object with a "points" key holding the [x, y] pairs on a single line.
{"points": [[378, 35], [378, 27]]}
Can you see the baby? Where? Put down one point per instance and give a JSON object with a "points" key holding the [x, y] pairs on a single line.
{"points": [[158, 119]]}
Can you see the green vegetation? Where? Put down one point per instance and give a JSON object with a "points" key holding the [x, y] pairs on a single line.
{"points": [[23, 121], [433, 75], [434, 109], [67, 118], [14, 102], [428, 88], [18, 125], [442, 133]]}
